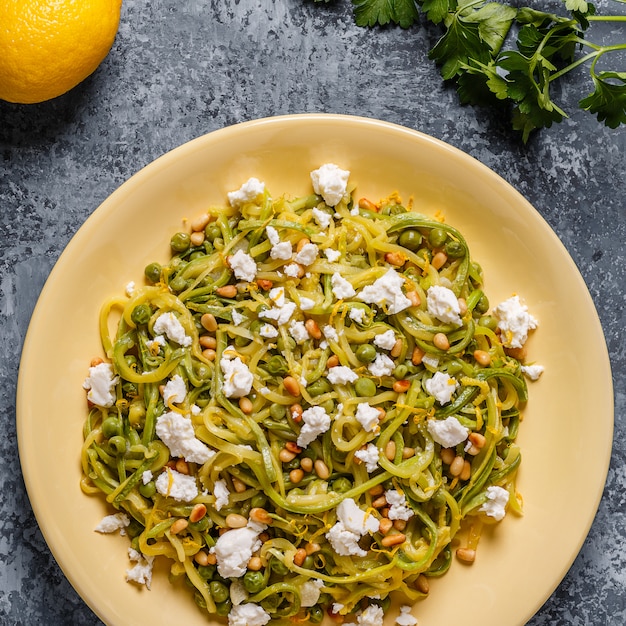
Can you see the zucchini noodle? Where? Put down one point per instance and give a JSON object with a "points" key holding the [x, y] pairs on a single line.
{"points": [[284, 378]]}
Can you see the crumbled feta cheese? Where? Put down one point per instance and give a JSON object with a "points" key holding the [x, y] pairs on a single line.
{"points": [[382, 365], [330, 333], [532, 371], [221, 494], [337, 607], [447, 433], [281, 314], [146, 477], [154, 345], [352, 524], [237, 377], [405, 618], [111, 523], [306, 304], [277, 296], [248, 615], [367, 416], [514, 322], [441, 386], [373, 615], [386, 340], [100, 384], [248, 192], [168, 324], [141, 572], [386, 292], [310, 592], [130, 288], [307, 255], [495, 506], [280, 250], [234, 548], [298, 331], [177, 433], [341, 375], [444, 305], [330, 182], [398, 508], [341, 288], [369, 456], [243, 265], [322, 218], [315, 421], [332, 255], [430, 361], [173, 484], [238, 318], [175, 390], [357, 315], [268, 331]]}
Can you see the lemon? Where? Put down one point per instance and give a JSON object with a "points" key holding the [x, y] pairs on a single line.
{"points": [[49, 46]]}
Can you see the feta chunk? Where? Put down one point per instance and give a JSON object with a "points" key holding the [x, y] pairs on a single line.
{"points": [[130, 288], [243, 265], [100, 384], [221, 494], [238, 378], [373, 615], [368, 455], [330, 182], [357, 315], [280, 250], [248, 192], [175, 390], [386, 340], [310, 592], [168, 324], [398, 508], [447, 433], [533, 371], [367, 416], [341, 375], [441, 386], [386, 293], [298, 331], [382, 365], [173, 484], [307, 255], [444, 305], [330, 333], [111, 523], [332, 255], [514, 322], [322, 218], [352, 524], [341, 288], [238, 318], [306, 304], [234, 548], [268, 331], [405, 618], [495, 506], [315, 422], [177, 433], [280, 314], [248, 614], [141, 572]]}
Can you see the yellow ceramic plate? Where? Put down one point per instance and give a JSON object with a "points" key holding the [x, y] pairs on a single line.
{"points": [[521, 562]]}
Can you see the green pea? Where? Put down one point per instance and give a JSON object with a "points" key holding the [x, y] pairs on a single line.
{"points": [[365, 387], [147, 490], [223, 608], [488, 321], [180, 242], [400, 371], [277, 365], [286, 346], [482, 306], [278, 411], [278, 566], [153, 272], [111, 427], [206, 571], [396, 209], [328, 406], [178, 284], [454, 367], [201, 525], [410, 239], [240, 341], [316, 614], [366, 353], [203, 372], [118, 444], [219, 591], [253, 581], [385, 603], [212, 232], [341, 485], [255, 327], [308, 563], [358, 260], [258, 500], [437, 237], [455, 249], [141, 314], [319, 387]]}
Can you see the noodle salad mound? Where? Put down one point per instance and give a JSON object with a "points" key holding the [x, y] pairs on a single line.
{"points": [[305, 404]]}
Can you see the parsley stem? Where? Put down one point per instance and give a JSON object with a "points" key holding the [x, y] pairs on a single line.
{"points": [[598, 51], [606, 18]]}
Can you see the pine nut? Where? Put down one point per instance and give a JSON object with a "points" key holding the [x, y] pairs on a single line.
{"points": [[333, 361], [255, 563], [301, 243], [266, 285], [414, 297], [182, 466], [208, 341], [466, 472], [393, 540], [478, 439], [440, 340], [245, 404], [209, 354], [211, 559], [417, 356], [466, 554], [227, 291], [296, 475], [312, 548], [376, 491], [259, 515], [368, 205], [379, 502], [321, 469], [385, 525], [421, 584], [396, 259], [390, 450], [292, 386], [239, 486], [299, 556], [313, 329], [200, 223], [201, 558], [401, 386], [209, 322], [296, 412], [407, 452], [292, 446], [178, 526], [456, 467], [306, 463], [473, 450], [482, 357], [439, 260], [286, 456], [397, 349], [399, 524], [462, 306], [447, 455], [197, 513], [96, 361], [197, 238], [234, 520]]}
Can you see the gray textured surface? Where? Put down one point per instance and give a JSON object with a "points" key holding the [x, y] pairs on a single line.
{"points": [[175, 73]]}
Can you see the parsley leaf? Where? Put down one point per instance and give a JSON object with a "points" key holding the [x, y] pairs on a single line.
{"points": [[608, 101], [382, 12], [436, 10]]}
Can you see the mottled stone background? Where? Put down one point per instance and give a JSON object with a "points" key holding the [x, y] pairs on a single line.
{"points": [[180, 69]]}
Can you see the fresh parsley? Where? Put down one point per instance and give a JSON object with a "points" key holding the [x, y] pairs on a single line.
{"points": [[498, 54]]}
